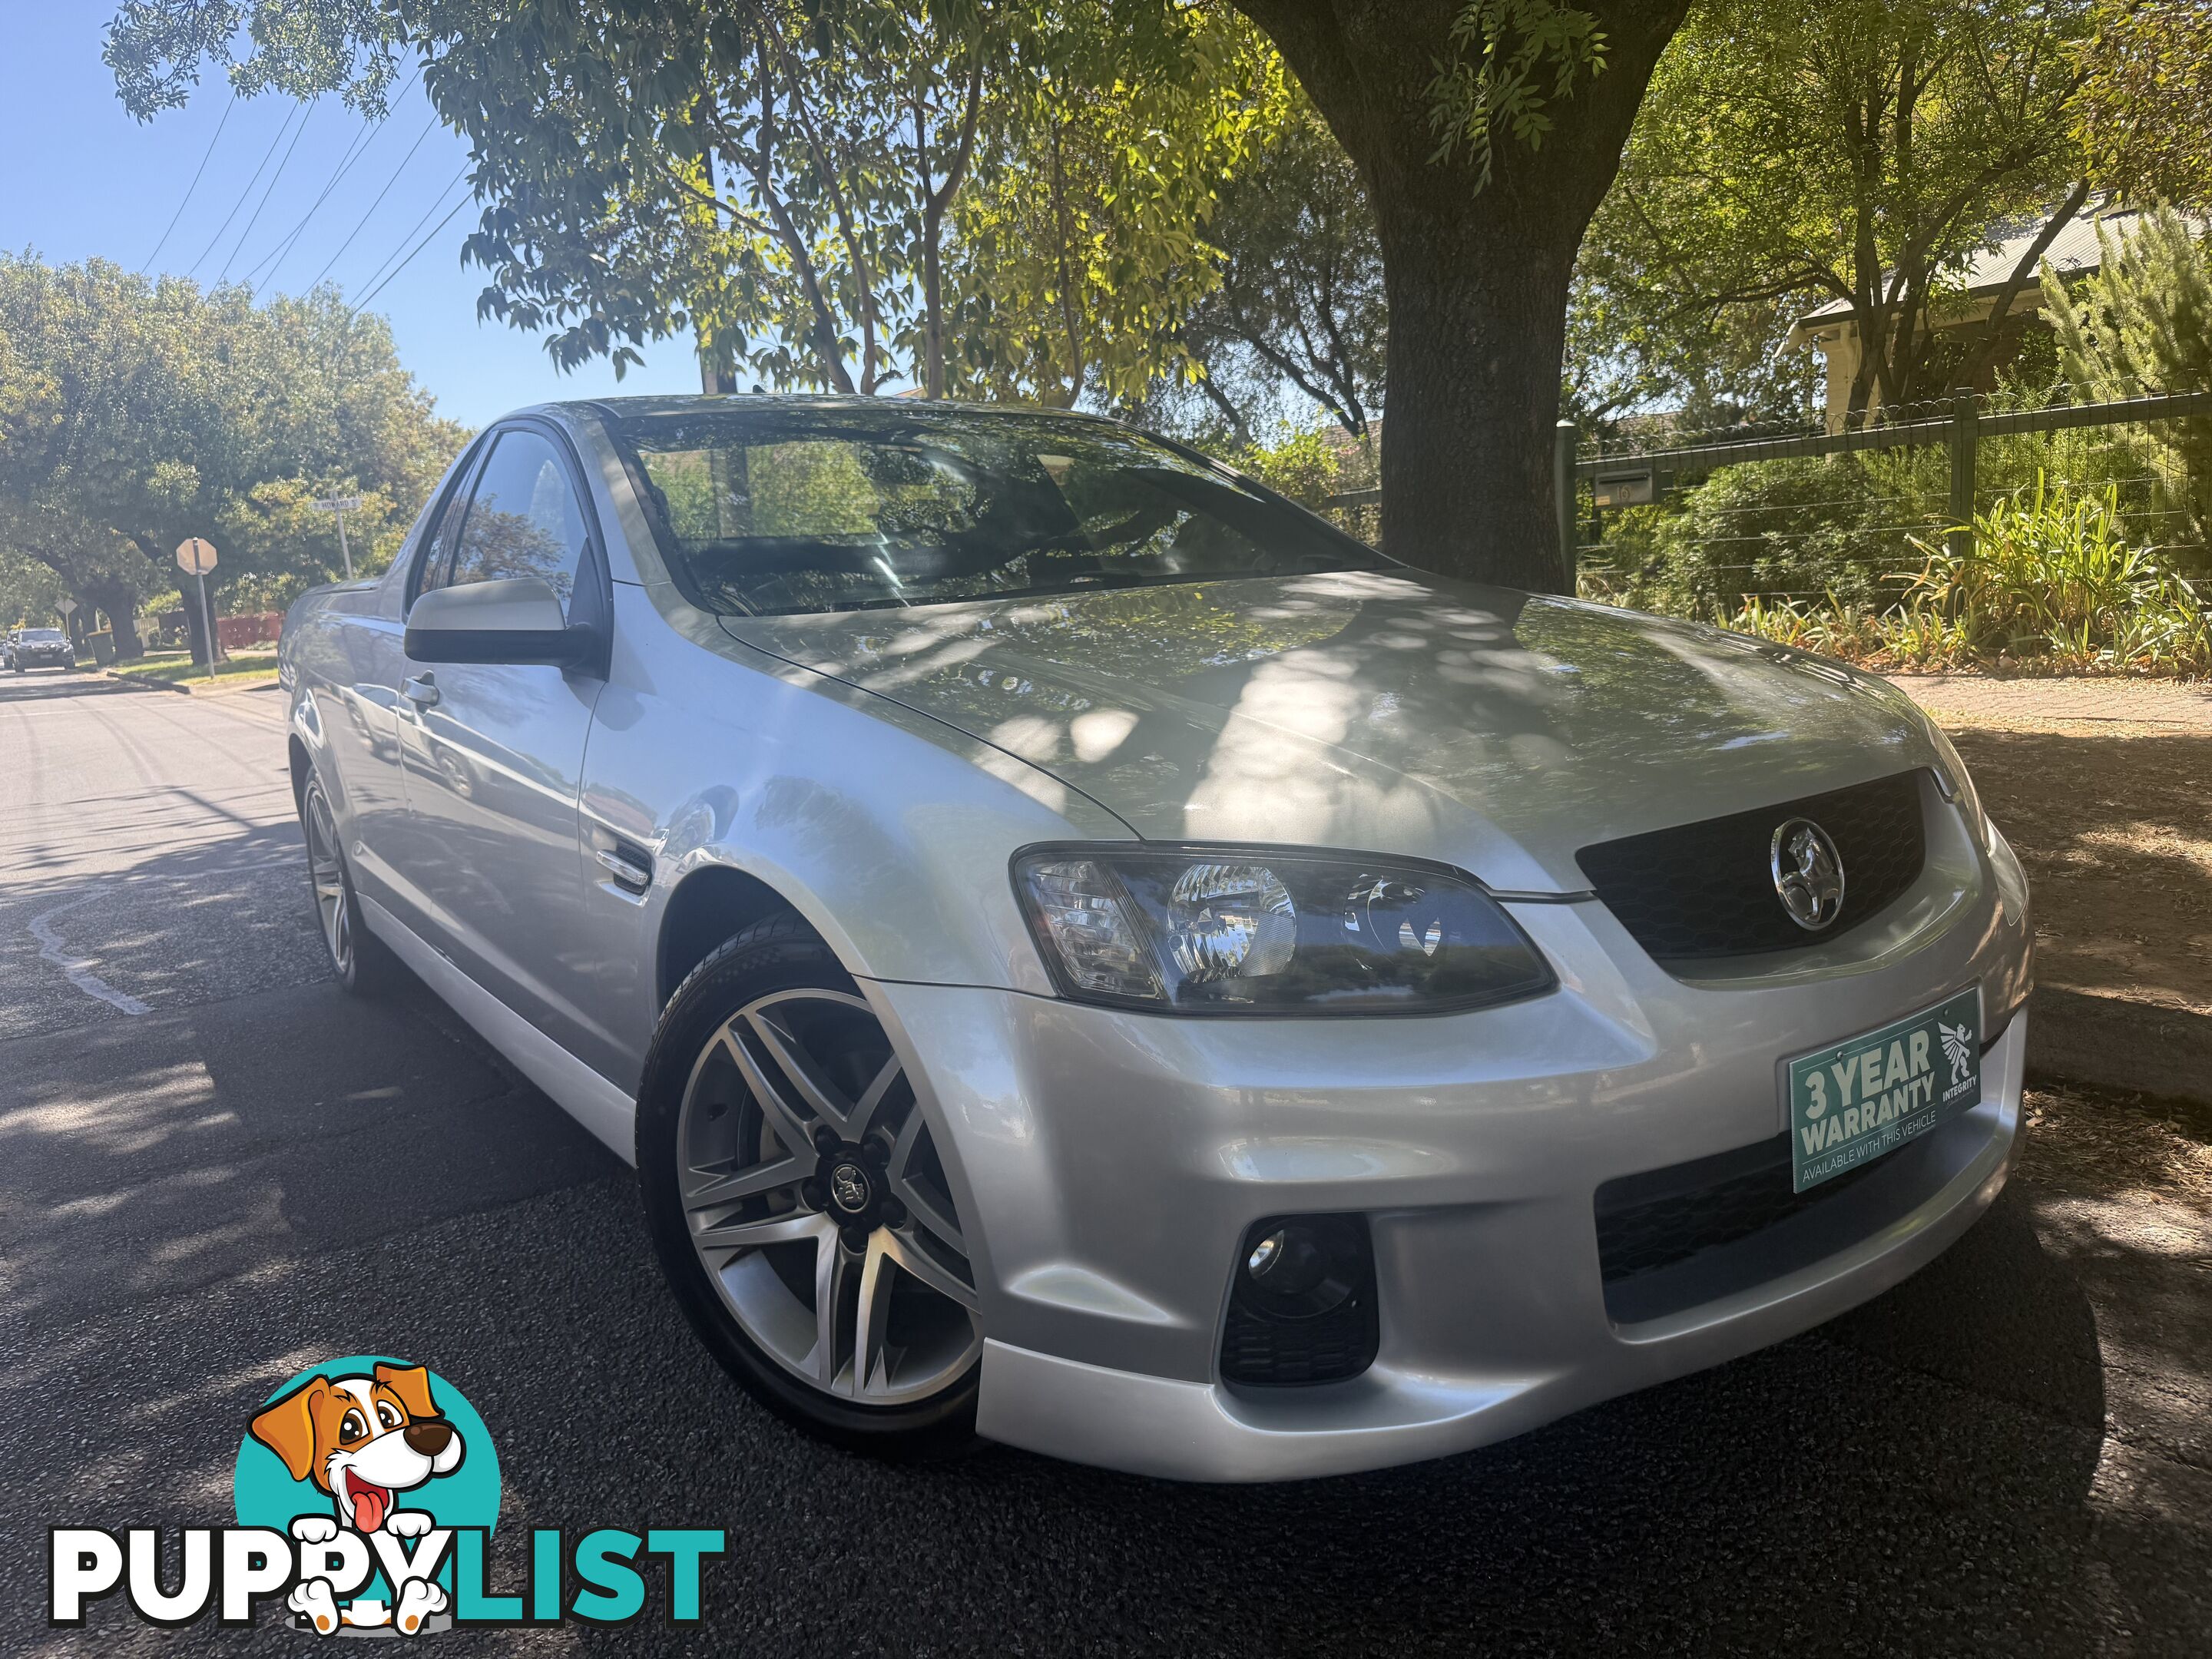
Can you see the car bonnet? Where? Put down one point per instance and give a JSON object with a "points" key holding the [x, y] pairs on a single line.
{"points": [[1494, 730]]}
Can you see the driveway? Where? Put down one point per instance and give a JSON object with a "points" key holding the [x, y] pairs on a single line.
{"points": [[215, 1169]]}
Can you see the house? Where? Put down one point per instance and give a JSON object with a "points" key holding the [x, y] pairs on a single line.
{"points": [[2074, 251]]}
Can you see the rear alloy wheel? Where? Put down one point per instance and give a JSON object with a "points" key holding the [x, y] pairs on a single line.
{"points": [[357, 956], [800, 1205]]}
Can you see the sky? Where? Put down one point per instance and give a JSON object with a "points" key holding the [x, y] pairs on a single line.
{"points": [[82, 178]]}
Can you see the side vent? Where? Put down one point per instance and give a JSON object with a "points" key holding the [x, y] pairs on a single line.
{"points": [[629, 866]]}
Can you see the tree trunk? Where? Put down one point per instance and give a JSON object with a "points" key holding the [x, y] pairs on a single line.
{"points": [[1476, 273], [120, 606], [933, 309], [1478, 326]]}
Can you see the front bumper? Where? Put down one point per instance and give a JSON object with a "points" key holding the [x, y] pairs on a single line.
{"points": [[1108, 1165]]}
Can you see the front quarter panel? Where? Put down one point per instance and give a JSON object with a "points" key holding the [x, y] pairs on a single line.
{"points": [[889, 832]]}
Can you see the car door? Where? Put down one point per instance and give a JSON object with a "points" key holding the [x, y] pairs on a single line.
{"points": [[362, 713], [492, 752]]}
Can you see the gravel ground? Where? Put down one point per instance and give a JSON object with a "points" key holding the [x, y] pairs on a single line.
{"points": [[2008, 1454], [2105, 788]]}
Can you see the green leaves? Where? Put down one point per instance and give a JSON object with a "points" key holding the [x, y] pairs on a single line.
{"points": [[295, 47], [2141, 326], [2142, 114], [135, 413], [1511, 61], [1858, 150], [1083, 245]]}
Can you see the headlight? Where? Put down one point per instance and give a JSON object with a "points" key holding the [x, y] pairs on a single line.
{"points": [[1958, 787], [1252, 930]]}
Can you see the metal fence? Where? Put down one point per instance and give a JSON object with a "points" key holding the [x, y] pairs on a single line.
{"points": [[1644, 522], [1671, 517]]}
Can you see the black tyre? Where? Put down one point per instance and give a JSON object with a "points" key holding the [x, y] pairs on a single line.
{"points": [[362, 962], [799, 1205]]}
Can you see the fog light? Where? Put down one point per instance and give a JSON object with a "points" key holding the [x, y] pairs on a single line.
{"points": [[1263, 1255], [1302, 1309]]}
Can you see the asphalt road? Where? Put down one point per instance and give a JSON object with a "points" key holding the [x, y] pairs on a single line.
{"points": [[215, 1168]]}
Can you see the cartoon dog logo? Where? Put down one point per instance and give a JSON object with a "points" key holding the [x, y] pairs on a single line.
{"points": [[362, 1441]]}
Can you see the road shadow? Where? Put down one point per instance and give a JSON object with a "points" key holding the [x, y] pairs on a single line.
{"points": [[47, 687], [253, 1110]]}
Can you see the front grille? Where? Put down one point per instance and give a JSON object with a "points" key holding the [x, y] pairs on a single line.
{"points": [[1707, 888], [1655, 1220]]}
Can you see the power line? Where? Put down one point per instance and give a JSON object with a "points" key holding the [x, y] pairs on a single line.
{"points": [[283, 128], [283, 244], [206, 155], [274, 260], [410, 259], [237, 246], [381, 195], [380, 277]]}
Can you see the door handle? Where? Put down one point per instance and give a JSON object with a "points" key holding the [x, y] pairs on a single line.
{"points": [[422, 691]]}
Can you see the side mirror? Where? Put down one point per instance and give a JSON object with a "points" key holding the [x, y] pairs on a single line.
{"points": [[517, 619]]}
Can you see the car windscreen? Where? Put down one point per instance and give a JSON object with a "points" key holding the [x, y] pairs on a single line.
{"points": [[43, 636], [772, 513]]}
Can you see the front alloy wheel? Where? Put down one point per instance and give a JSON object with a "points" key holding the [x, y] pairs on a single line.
{"points": [[801, 1209]]}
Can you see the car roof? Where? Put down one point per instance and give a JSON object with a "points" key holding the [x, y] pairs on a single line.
{"points": [[618, 409]]}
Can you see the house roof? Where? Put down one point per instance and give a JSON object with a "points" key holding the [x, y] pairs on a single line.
{"points": [[2073, 250]]}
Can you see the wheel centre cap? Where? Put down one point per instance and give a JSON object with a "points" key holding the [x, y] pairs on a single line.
{"points": [[850, 1189]]}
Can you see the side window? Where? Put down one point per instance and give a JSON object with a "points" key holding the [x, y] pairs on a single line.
{"points": [[523, 520], [437, 566]]}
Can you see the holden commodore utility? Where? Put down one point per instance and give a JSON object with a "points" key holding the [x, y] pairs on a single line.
{"points": [[1083, 954]]}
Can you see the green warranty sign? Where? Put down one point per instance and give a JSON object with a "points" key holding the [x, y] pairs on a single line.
{"points": [[1871, 1094]]}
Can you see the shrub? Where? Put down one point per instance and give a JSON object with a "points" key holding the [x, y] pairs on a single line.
{"points": [[2143, 325], [1834, 525], [1303, 464], [2051, 578], [2054, 572]]}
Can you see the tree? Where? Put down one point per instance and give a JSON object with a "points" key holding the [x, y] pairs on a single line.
{"points": [[30, 593], [1855, 150], [2143, 110], [134, 414], [775, 176], [1085, 243], [1486, 132], [1299, 301], [792, 180], [2142, 326]]}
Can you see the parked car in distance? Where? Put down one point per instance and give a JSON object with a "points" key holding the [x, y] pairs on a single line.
{"points": [[1086, 954], [40, 647]]}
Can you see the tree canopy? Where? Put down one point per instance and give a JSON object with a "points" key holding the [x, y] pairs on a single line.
{"points": [[781, 178], [2145, 112], [1298, 304], [134, 413], [1858, 151]]}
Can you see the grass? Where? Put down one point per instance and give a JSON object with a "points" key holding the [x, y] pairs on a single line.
{"points": [[174, 667]]}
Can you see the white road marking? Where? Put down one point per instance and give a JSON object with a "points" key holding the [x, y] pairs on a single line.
{"points": [[79, 972]]}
